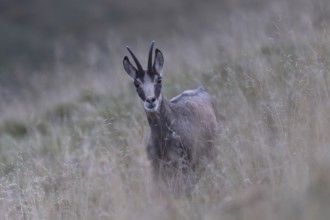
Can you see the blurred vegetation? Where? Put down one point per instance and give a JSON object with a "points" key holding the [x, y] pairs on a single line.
{"points": [[31, 29], [14, 128]]}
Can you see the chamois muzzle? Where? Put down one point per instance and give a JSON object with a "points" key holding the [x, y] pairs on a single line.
{"points": [[151, 104]]}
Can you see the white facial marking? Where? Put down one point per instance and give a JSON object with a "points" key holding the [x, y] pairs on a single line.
{"points": [[148, 87], [149, 91]]}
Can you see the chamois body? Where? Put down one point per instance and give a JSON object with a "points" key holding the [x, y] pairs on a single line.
{"points": [[182, 130], [182, 135]]}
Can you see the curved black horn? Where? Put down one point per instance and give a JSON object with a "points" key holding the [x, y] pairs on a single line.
{"points": [[140, 69], [150, 55]]}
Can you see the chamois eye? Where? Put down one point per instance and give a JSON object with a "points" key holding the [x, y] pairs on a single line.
{"points": [[136, 84], [159, 80]]}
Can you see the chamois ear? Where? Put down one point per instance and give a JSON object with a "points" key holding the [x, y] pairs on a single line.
{"points": [[159, 62], [130, 69]]}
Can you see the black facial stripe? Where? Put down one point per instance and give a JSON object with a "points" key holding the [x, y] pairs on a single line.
{"points": [[158, 88], [141, 93], [140, 75], [136, 83], [151, 74]]}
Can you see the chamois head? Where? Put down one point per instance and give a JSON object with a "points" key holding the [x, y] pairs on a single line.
{"points": [[148, 83]]}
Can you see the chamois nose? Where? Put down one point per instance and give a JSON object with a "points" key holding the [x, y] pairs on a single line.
{"points": [[151, 100]]}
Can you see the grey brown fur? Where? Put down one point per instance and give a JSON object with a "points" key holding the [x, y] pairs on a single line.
{"points": [[182, 130]]}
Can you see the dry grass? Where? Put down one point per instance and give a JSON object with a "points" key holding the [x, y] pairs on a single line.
{"points": [[82, 156]]}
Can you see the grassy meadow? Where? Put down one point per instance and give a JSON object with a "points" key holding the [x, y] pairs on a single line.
{"points": [[73, 134]]}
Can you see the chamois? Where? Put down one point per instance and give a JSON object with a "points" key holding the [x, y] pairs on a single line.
{"points": [[182, 129]]}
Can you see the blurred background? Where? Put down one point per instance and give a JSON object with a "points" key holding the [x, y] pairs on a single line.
{"points": [[48, 46], [32, 30], [40, 38]]}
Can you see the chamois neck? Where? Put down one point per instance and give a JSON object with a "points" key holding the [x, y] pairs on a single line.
{"points": [[161, 120]]}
